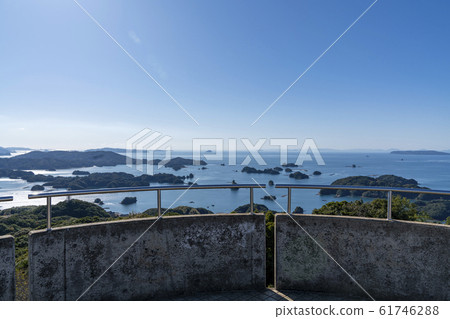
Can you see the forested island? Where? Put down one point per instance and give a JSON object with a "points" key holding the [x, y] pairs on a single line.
{"points": [[95, 180], [381, 181], [252, 170]]}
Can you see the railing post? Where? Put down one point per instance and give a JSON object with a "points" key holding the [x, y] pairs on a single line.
{"points": [[49, 213], [289, 201], [251, 200], [158, 192], [389, 206]]}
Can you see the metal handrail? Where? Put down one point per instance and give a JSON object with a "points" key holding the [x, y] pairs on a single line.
{"points": [[158, 190], [6, 198], [389, 191]]}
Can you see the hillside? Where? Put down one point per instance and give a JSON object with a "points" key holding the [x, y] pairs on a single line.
{"points": [[62, 160], [75, 159]]}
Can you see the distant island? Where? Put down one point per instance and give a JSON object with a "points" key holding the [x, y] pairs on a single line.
{"points": [[62, 160], [424, 152], [108, 149], [4, 151], [79, 173]]}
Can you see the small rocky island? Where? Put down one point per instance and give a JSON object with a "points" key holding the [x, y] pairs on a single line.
{"points": [[37, 188], [252, 170], [298, 175], [128, 200]]}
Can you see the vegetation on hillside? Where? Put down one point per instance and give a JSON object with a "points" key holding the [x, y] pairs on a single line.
{"points": [[62, 160], [402, 209]]}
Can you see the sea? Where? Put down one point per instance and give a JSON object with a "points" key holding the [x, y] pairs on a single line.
{"points": [[432, 171]]}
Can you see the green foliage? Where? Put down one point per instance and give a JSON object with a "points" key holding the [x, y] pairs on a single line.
{"points": [[447, 222], [270, 247], [402, 209], [438, 209]]}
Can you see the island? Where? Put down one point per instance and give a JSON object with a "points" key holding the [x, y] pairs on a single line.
{"points": [[98, 201], [298, 210], [80, 173], [252, 170], [381, 181], [317, 173], [4, 151], [128, 200], [113, 180], [298, 175], [37, 188], [421, 152], [269, 197], [62, 160], [75, 159]]}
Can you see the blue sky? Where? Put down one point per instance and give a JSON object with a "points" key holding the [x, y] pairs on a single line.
{"points": [[65, 84]]}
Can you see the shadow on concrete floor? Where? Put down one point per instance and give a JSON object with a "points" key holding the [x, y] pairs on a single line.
{"points": [[268, 294]]}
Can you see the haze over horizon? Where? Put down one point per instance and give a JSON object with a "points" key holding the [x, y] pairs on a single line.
{"points": [[64, 84]]}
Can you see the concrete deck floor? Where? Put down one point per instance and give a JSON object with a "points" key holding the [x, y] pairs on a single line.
{"points": [[268, 294]]}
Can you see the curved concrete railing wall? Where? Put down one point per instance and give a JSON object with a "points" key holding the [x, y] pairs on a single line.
{"points": [[177, 255], [389, 259], [7, 268]]}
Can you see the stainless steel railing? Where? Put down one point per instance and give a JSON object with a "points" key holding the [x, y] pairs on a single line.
{"points": [[389, 191], [6, 199], [158, 190]]}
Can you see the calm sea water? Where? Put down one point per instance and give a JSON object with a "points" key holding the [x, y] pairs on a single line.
{"points": [[429, 171]]}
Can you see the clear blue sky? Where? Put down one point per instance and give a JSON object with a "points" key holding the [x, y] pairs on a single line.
{"points": [[65, 84]]}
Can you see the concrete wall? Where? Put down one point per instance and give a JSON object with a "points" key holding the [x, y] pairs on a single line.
{"points": [[178, 255], [7, 268], [394, 260]]}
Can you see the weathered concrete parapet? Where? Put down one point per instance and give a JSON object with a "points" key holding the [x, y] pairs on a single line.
{"points": [[7, 268], [177, 255], [392, 260]]}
